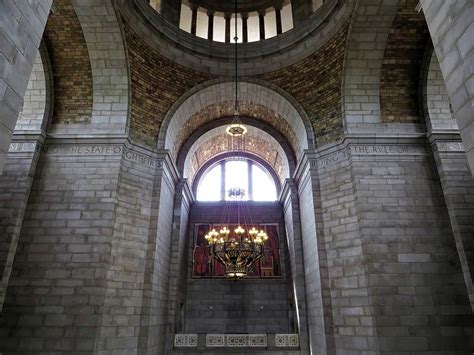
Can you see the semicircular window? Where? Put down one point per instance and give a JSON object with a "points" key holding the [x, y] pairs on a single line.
{"points": [[232, 179]]}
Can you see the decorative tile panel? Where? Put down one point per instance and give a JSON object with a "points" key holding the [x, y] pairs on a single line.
{"points": [[237, 340], [185, 340], [215, 340], [257, 340], [287, 340]]}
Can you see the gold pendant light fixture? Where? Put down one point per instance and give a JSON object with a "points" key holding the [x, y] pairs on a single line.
{"points": [[237, 249]]}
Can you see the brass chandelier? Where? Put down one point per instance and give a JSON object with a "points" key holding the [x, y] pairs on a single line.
{"points": [[238, 249]]}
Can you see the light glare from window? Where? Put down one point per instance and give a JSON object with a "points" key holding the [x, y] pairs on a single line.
{"points": [[263, 186], [209, 186], [236, 176]]}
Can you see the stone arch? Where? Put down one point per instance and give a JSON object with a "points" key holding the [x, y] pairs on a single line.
{"points": [[108, 62], [107, 86], [213, 143], [437, 108], [400, 83], [256, 98], [70, 62], [201, 172], [37, 107], [370, 26]]}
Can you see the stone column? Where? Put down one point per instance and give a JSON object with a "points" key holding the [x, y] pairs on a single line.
{"points": [[278, 18], [194, 9], [223, 180], [450, 26], [302, 10], [261, 23], [245, 30], [21, 30], [458, 190], [16, 181], [227, 27], [291, 212], [179, 260], [210, 28], [171, 10], [250, 179]]}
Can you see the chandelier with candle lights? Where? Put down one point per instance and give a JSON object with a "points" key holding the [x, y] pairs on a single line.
{"points": [[237, 249]]}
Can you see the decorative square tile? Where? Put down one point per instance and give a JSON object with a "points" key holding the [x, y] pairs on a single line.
{"points": [[257, 340], [293, 340], [215, 340], [237, 340], [185, 340], [287, 340]]}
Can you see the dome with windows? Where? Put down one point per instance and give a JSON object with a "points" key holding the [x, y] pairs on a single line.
{"points": [[215, 20]]}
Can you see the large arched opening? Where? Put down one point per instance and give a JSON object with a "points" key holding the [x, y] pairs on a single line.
{"points": [[278, 133]]}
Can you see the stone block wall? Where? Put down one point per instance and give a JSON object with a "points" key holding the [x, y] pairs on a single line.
{"points": [[450, 26], [413, 271], [56, 290], [179, 262], [71, 65], [35, 101], [315, 264], [395, 277], [439, 115], [401, 67], [21, 29], [15, 183], [458, 190], [91, 270], [346, 295], [295, 262], [128, 261], [245, 306], [161, 235]]}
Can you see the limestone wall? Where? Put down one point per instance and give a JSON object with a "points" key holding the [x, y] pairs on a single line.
{"points": [[245, 306], [21, 30]]}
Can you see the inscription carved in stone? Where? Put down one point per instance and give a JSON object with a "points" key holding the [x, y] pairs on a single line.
{"points": [[142, 159], [98, 150], [372, 149], [22, 147], [82, 149], [450, 147]]}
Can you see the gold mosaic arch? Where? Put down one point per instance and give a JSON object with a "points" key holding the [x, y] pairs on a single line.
{"points": [[214, 100]]}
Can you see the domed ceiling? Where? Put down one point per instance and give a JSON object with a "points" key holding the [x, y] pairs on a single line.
{"points": [[242, 5]]}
